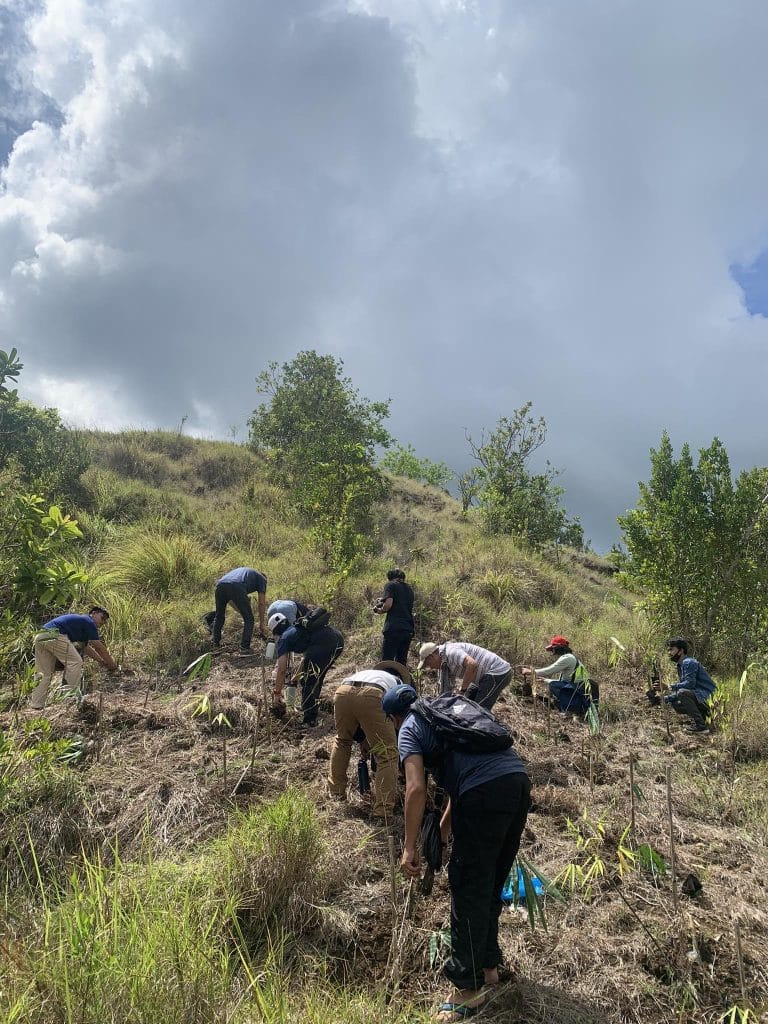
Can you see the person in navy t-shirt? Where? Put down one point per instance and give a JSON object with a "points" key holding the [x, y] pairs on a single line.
{"points": [[65, 639], [488, 806], [320, 649], [234, 588]]}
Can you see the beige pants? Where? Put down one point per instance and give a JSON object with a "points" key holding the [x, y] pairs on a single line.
{"points": [[355, 706], [47, 653]]}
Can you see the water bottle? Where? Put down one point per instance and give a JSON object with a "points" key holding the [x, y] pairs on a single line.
{"points": [[270, 651], [363, 776], [290, 695]]}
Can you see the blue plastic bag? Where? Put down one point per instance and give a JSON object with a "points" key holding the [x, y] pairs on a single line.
{"points": [[508, 892]]}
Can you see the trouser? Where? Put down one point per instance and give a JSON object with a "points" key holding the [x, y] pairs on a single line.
{"points": [[487, 689], [685, 703], [311, 674], [359, 707], [487, 822], [236, 594], [394, 647], [47, 653]]}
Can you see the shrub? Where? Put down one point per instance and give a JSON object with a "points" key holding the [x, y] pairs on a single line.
{"points": [[159, 564]]}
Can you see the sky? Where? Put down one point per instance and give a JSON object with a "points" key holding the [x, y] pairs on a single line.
{"points": [[472, 203]]}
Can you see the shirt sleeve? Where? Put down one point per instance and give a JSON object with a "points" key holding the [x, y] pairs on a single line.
{"points": [[565, 663], [413, 738]]}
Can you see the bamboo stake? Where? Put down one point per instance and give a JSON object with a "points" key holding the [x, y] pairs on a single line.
{"points": [[632, 794], [98, 726], [265, 698], [392, 872], [549, 718], [673, 852], [740, 958], [591, 775]]}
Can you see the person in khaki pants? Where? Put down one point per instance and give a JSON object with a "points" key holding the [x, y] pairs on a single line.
{"points": [[357, 705], [58, 641]]}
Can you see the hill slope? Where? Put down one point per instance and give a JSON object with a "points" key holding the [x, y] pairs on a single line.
{"points": [[252, 903]]}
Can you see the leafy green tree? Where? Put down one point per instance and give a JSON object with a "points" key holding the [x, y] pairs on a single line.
{"points": [[697, 544], [321, 439], [402, 460], [48, 457], [512, 498]]}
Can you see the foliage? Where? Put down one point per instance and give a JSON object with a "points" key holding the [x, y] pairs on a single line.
{"points": [[512, 498], [46, 455], [589, 866], [158, 564], [29, 761], [36, 564], [320, 437], [697, 544], [469, 485], [402, 460]]}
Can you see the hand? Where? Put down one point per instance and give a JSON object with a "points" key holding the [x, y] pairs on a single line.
{"points": [[526, 671], [409, 863]]}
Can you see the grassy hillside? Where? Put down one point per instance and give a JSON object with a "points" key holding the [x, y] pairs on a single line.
{"points": [[161, 865]]}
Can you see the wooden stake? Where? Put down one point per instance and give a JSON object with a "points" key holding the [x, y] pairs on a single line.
{"points": [[740, 958], [673, 853], [549, 718], [98, 726], [265, 698], [393, 875], [591, 775], [632, 794]]}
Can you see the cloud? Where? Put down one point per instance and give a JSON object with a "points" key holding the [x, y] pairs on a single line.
{"points": [[473, 203]]}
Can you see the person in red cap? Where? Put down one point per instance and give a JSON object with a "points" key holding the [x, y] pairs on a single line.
{"points": [[560, 672]]}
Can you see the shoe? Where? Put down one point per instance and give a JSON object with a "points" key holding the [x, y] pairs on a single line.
{"points": [[693, 729]]}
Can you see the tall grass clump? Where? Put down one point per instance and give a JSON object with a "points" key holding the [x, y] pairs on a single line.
{"points": [[158, 564], [186, 941]]}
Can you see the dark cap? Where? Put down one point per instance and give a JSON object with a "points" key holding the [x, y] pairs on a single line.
{"points": [[677, 641], [398, 700]]}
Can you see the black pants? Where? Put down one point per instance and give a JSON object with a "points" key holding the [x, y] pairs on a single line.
{"points": [[394, 647], [314, 665], [685, 703], [487, 823], [487, 689], [236, 594]]}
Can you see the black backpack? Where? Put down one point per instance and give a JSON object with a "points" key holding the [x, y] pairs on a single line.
{"points": [[462, 725], [314, 620]]}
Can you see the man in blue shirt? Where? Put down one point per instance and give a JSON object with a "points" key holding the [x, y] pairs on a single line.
{"points": [[320, 649], [488, 806], [692, 694], [234, 588], [62, 640]]}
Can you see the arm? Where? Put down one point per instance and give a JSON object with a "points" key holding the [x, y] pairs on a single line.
{"points": [[415, 802], [382, 606], [280, 667], [468, 673], [98, 651]]}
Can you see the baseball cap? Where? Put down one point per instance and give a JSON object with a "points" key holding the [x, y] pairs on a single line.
{"points": [[424, 652], [277, 622], [398, 700], [557, 641]]}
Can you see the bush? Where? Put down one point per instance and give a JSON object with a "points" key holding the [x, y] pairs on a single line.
{"points": [[159, 564]]}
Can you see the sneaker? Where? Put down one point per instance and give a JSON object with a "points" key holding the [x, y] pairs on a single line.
{"points": [[693, 729]]}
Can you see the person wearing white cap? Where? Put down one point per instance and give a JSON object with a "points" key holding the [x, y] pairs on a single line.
{"points": [[480, 674]]}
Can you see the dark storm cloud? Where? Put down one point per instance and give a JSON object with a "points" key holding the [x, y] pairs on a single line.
{"points": [[473, 204]]}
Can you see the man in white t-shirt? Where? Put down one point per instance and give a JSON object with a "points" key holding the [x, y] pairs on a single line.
{"points": [[480, 674], [357, 706]]}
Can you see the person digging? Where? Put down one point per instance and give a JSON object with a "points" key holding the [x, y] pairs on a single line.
{"points": [[66, 640], [489, 797]]}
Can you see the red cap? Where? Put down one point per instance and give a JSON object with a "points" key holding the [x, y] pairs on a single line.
{"points": [[557, 641]]}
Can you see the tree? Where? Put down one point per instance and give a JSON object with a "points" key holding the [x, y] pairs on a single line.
{"points": [[48, 457], [514, 500], [697, 544], [402, 460], [321, 439]]}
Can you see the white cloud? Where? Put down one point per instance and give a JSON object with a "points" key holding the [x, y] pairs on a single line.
{"points": [[506, 200]]}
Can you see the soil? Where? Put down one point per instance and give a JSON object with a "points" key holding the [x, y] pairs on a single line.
{"points": [[623, 952]]}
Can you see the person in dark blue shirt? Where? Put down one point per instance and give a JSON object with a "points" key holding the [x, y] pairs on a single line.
{"points": [[396, 603], [489, 802], [320, 649], [234, 588], [66, 639], [691, 695]]}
